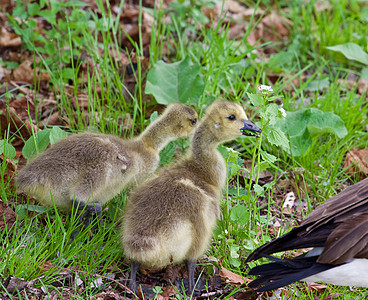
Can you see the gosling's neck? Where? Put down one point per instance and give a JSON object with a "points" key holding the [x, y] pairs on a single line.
{"points": [[204, 144], [204, 153], [157, 135]]}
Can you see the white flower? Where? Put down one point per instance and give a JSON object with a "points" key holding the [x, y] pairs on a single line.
{"points": [[265, 88], [283, 112], [231, 150]]}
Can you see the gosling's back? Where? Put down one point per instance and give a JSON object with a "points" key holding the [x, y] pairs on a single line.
{"points": [[85, 164]]}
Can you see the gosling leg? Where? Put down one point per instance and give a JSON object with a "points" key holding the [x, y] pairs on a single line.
{"points": [[134, 266], [191, 265], [78, 207], [93, 211]]}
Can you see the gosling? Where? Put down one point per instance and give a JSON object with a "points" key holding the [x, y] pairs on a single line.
{"points": [[169, 218], [338, 232], [86, 170]]}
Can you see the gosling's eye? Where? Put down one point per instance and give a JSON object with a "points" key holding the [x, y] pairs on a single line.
{"points": [[231, 117], [194, 121]]}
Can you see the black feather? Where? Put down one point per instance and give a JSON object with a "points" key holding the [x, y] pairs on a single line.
{"points": [[285, 271]]}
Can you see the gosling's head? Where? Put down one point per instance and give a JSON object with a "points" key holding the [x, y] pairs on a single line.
{"points": [[227, 120], [180, 119]]}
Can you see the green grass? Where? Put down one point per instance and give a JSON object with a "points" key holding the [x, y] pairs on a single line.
{"points": [[230, 69]]}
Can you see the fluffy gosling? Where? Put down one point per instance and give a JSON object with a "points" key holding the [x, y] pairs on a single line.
{"points": [[169, 218], [87, 170]]}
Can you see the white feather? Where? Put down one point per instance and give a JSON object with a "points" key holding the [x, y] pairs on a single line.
{"points": [[353, 273]]}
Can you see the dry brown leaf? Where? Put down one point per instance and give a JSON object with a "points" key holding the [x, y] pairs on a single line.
{"points": [[362, 86], [233, 6], [350, 84], [264, 176], [25, 73], [9, 39], [13, 283], [52, 119], [248, 294], [236, 31], [167, 294], [4, 73], [6, 4], [23, 106], [283, 184], [10, 167], [7, 216], [108, 296], [16, 119], [272, 27], [231, 277], [318, 287], [236, 11], [356, 163], [45, 267], [299, 186], [322, 5], [82, 100], [277, 23]]}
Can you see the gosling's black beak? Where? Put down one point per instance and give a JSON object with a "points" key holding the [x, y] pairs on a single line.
{"points": [[249, 126]]}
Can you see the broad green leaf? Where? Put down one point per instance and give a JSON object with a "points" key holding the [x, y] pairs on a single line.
{"points": [[235, 262], [268, 157], [280, 59], [301, 125], [255, 99], [258, 189], [233, 168], [233, 160], [316, 120], [364, 73], [300, 143], [37, 143], [176, 82], [22, 209], [234, 251], [364, 14], [7, 149], [167, 154], [48, 15], [271, 113], [33, 9], [75, 3], [351, 51], [239, 214], [318, 85], [56, 134], [68, 73], [154, 116], [20, 11], [237, 191], [276, 137], [262, 166]]}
